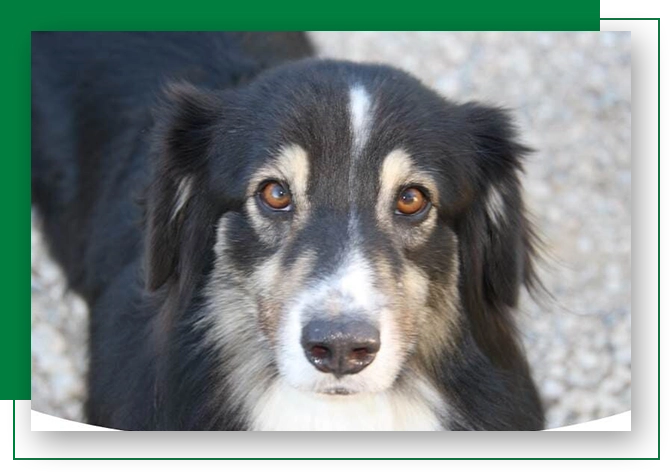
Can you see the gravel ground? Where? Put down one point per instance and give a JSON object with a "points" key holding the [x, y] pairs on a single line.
{"points": [[572, 96]]}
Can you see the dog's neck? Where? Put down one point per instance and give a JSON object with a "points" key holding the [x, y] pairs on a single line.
{"points": [[283, 408]]}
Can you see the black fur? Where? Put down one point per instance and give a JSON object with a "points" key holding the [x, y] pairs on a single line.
{"points": [[120, 118]]}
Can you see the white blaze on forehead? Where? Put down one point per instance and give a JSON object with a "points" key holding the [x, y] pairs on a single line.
{"points": [[495, 205], [360, 109], [361, 113]]}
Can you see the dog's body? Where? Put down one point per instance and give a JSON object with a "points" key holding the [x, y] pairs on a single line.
{"points": [[322, 245]]}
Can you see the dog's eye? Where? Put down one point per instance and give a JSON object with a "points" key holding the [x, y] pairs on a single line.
{"points": [[275, 196], [411, 201]]}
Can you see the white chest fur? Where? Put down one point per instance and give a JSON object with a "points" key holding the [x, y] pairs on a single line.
{"points": [[282, 408]]}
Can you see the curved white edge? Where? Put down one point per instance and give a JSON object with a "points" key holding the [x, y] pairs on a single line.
{"points": [[43, 422], [619, 422]]}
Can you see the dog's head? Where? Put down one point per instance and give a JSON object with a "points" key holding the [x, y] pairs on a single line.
{"points": [[357, 222]]}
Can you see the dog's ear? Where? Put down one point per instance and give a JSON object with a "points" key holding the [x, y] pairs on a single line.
{"points": [[184, 122], [497, 243]]}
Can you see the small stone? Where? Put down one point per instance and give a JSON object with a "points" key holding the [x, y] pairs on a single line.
{"points": [[552, 390]]}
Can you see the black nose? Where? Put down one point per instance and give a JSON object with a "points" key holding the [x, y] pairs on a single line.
{"points": [[340, 347]]}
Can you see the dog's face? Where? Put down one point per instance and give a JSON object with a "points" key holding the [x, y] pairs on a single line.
{"points": [[336, 198], [341, 294]]}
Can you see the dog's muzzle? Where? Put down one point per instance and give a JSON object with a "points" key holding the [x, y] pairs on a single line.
{"points": [[340, 347]]}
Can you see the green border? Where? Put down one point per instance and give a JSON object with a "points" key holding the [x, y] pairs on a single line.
{"points": [[422, 15], [425, 15]]}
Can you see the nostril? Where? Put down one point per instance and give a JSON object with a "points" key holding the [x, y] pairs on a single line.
{"points": [[319, 352], [360, 354]]}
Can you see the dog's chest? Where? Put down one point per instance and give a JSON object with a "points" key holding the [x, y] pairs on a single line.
{"points": [[282, 408]]}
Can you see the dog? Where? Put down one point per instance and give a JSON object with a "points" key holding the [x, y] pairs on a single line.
{"points": [[270, 241]]}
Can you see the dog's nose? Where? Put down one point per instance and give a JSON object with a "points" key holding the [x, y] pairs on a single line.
{"points": [[340, 347]]}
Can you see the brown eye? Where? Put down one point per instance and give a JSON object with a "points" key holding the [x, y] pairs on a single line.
{"points": [[410, 201], [276, 196]]}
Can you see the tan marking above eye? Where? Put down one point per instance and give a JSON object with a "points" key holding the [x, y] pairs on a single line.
{"points": [[276, 196], [410, 201]]}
